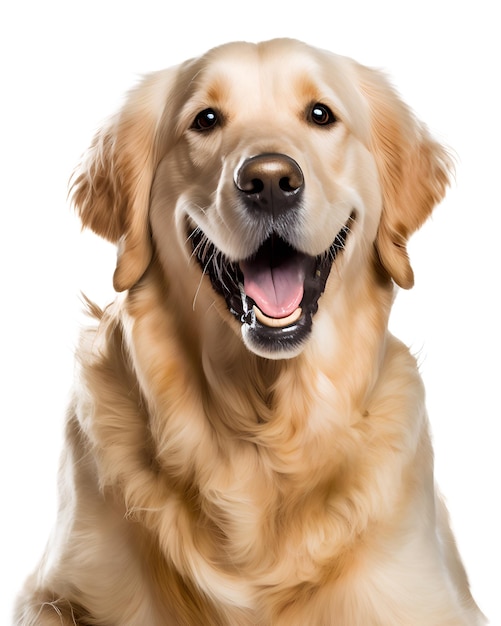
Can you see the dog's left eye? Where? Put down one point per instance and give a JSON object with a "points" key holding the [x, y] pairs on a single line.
{"points": [[205, 120], [321, 115]]}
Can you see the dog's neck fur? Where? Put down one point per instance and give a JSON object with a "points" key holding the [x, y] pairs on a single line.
{"points": [[244, 395], [272, 403]]}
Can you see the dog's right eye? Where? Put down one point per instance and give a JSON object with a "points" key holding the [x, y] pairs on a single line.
{"points": [[205, 120]]}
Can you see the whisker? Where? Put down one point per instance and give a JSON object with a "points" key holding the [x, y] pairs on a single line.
{"points": [[192, 234], [199, 245], [204, 272]]}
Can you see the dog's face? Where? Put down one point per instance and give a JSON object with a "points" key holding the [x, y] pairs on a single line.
{"points": [[263, 167], [281, 185]]}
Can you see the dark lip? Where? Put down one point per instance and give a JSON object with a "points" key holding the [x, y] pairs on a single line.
{"points": [[227, 280]]}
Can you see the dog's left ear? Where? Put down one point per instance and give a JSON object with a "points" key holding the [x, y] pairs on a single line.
{"points": [[413, 170], [111, 188]]}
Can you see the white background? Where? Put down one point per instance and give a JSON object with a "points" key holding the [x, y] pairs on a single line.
{"points": [[64, 68]]}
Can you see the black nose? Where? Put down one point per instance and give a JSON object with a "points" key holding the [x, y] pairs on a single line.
{"points": [[272, 183]]}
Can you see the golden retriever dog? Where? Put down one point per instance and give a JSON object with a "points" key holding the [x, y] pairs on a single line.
{"points": [[247, 444]]}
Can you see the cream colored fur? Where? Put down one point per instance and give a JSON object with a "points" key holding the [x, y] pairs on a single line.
{"points": [[205, 484]]}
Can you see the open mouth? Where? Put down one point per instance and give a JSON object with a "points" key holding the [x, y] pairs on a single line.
{"points": [[274, 293]]}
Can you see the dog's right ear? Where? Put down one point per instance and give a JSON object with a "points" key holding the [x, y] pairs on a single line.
{"points": [[111, 187]]}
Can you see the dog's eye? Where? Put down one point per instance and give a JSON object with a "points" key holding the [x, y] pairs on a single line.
{"points": [[205, 120], [321, 115]]}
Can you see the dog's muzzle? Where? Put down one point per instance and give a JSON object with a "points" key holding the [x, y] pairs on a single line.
{"points": [[274, 292]]}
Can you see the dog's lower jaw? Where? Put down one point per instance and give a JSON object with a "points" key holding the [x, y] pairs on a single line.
{"points": [[287, 351], [288, 342]]}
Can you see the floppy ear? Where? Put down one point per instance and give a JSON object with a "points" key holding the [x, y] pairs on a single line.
{"points": [[111, 188], [413, 169]]}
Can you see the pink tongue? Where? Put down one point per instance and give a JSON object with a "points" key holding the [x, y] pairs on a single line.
{"points": [[277, 291]]}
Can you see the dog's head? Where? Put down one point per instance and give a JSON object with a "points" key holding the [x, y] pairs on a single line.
{"points": [[262, 167]]}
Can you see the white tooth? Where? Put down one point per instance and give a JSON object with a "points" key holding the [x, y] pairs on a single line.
{"points": [[277, 322]]}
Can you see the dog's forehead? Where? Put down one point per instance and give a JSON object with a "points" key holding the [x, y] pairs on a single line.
{"points": [[263, 61], [283, 71]]}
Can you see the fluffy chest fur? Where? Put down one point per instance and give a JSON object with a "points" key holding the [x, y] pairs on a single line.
{"points": [[265, 483]]}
